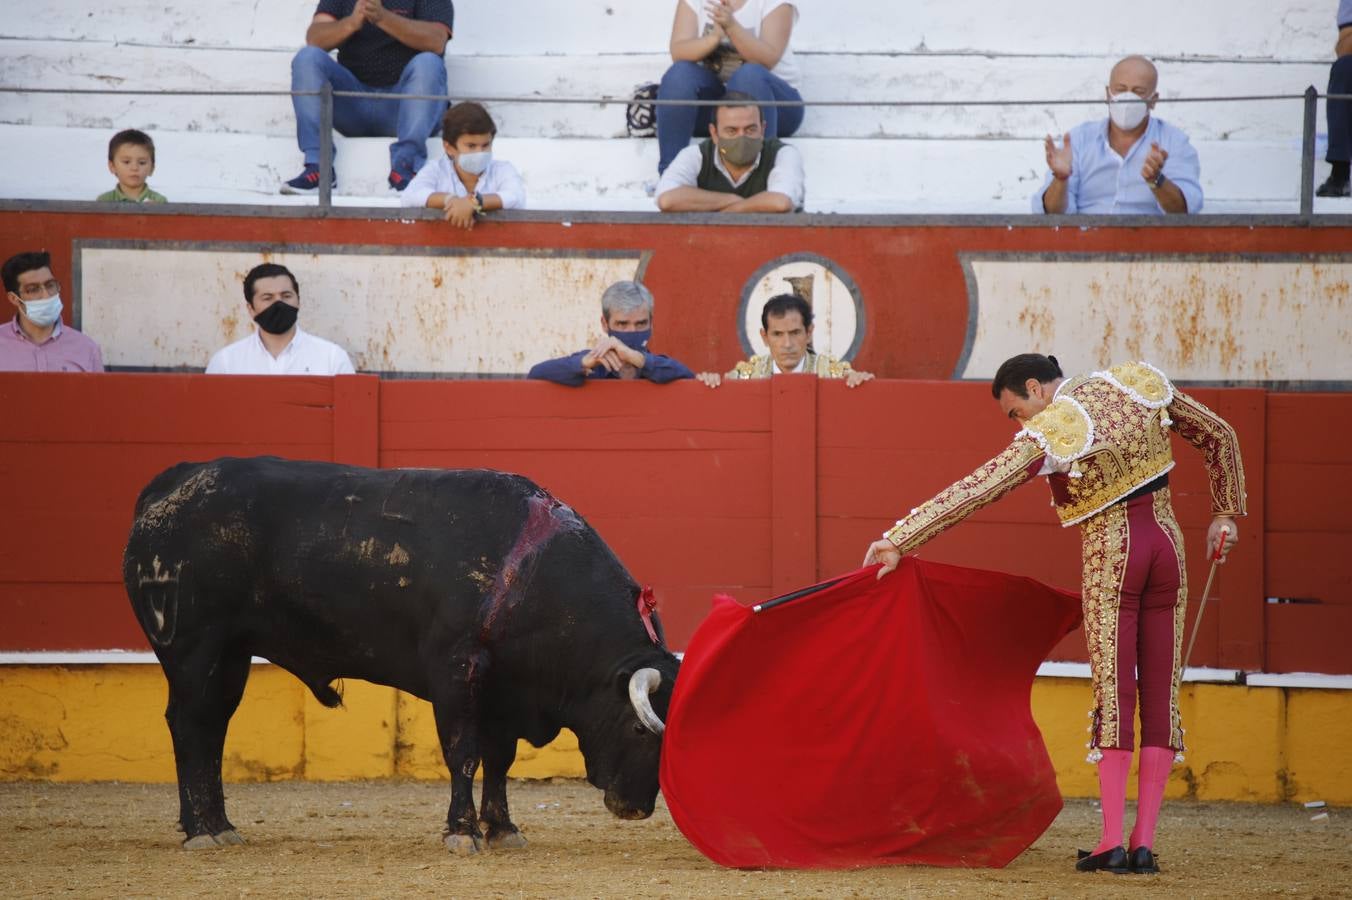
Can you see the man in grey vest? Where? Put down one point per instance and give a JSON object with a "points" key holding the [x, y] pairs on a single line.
{"points": [[735, 169]]}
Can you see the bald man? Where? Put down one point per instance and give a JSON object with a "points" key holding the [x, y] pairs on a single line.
{"points": [[1131, 163]]}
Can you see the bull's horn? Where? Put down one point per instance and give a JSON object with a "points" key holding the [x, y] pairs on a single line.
{"points": [[641, 685]]}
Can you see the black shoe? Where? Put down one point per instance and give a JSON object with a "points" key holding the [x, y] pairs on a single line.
{"points": [[1334, 187], [1114, 860], [1143, 862]]}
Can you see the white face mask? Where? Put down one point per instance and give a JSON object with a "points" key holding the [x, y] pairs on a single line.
{"points": [[1127, 110], [43, 313], [475, 163]]}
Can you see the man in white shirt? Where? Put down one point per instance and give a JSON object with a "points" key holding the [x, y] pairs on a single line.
{"points": [[735, 169], [1131, 163], [467, 182], [277, 346]]}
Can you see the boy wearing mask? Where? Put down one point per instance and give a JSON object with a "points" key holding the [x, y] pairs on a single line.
{"points": [[467, 182]]}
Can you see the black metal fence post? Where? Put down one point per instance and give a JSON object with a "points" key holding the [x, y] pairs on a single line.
{"points": [[326, 146], [1307, 153]]}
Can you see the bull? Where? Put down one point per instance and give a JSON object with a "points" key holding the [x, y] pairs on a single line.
{"points": [[474, 590]]}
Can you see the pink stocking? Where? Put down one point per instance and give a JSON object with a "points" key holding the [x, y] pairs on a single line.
{"points": [[1113, 771], [1154, 775]]}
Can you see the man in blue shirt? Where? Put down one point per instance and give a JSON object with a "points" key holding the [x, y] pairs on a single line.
{"points": [[627, 319], [1128, 164]]}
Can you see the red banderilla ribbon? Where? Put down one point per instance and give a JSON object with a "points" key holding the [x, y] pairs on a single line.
{"points": [[647, 605]]}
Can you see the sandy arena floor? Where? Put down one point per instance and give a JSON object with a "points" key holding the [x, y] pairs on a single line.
{"points": [[370, 839]]}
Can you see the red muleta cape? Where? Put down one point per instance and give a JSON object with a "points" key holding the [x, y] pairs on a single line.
{"points": [[873, 722]]}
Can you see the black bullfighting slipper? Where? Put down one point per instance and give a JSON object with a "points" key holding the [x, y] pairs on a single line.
{"points": [[1114, 860], [1144, 862]]}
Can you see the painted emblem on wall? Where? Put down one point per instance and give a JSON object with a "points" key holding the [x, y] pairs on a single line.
{"points": [[837, 307]]}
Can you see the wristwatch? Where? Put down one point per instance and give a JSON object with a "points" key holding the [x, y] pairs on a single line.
{"points": [[1158, 182], [479, 204]]}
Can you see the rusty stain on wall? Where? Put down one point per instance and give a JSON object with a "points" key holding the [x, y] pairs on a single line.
{"points": [[1199, 319], [415, 313]]}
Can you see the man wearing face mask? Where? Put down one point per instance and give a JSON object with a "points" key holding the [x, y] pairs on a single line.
{"points": [[36, 340], [1131, 163], [278, 346], [467, 182], [627, 320], [735, 169]]}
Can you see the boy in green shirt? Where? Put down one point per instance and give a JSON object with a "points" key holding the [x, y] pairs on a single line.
{"points": [[131, 157]]}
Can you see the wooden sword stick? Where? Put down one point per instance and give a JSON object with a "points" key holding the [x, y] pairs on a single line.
{"points": [[1201, 609]]}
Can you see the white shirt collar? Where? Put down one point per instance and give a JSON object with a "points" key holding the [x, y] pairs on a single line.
{"points": [[290, 347]]}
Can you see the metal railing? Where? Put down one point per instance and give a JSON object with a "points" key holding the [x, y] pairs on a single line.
{"points": [[1310, 99]]}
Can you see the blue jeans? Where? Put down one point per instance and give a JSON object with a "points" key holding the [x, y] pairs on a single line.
{"points": [[411, 121], [1339, 112], [691, 81]]}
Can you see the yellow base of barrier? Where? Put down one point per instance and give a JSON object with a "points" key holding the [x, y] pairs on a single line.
{"points": [[105, 723]]}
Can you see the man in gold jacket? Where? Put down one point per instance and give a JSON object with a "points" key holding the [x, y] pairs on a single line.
{"points": [[1103, 441], [786, 328]]}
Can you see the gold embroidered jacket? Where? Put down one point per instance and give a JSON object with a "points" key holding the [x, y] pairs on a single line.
{"points": [[1103, 436], [819, 364]]}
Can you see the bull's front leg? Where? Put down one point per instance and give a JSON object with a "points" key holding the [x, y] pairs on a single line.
{"points": [[499, 751], [457, 716]]}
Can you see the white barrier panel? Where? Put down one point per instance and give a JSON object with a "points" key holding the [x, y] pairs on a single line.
{"points": [[442, 311], [1206, 318]]}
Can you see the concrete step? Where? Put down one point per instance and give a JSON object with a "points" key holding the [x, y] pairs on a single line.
{"points": [[1255, 29], [854, 77], [874, 176]]}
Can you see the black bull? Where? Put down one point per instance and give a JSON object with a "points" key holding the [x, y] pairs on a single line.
{"points": [[474, 590]]}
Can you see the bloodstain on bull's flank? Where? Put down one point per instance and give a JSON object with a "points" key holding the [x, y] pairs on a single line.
{"points": [[546, 517]]}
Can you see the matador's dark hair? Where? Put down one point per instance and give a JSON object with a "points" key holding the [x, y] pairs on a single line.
{"points": [[1015, 372]]}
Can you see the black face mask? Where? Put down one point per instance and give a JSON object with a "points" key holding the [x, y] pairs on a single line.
{"points": [[277, 318]]}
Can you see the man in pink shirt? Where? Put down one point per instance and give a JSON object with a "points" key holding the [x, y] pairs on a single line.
{"points": [[35, 340]]}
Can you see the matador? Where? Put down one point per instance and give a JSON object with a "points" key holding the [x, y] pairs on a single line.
{"points": [[1103, 441]]}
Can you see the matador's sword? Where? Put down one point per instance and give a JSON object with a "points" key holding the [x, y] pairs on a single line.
{"points": [[1201, 608]]}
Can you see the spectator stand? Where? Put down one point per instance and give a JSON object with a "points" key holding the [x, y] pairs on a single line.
{"points": [[222, 146]]}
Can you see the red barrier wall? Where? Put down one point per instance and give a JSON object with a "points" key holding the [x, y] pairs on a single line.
{"points": [[754, 489], [908, 271]]}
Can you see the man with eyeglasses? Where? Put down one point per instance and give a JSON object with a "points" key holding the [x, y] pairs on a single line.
{"points": [[36, 340]]}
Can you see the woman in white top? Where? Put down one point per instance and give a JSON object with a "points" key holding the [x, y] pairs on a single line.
{"points": [[705, 35]]}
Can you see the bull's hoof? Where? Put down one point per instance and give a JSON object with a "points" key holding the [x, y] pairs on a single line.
{"points": [[462, 844], [227, 838], [506, 840]]}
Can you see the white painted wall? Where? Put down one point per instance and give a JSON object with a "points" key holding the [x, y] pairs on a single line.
{"points": [[970, 158]]}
